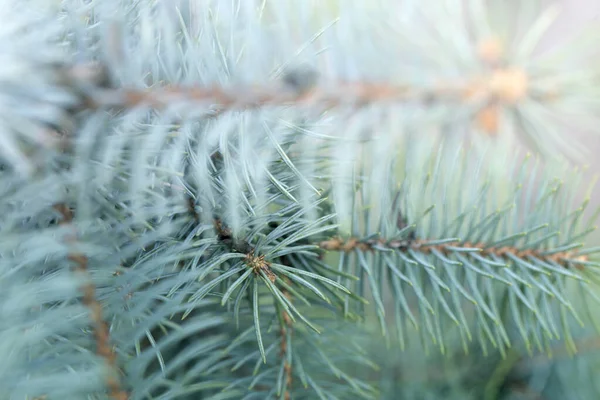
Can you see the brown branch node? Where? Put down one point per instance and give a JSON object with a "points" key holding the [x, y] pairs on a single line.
{"points": [[258, 264]]}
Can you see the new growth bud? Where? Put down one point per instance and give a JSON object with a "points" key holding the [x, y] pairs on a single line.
{"points": [[301, 79]]}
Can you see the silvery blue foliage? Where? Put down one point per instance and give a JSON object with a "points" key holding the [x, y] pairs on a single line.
{"points": [[174, 172]]}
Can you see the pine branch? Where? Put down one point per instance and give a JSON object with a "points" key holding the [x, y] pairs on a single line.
{"points": [[504, 85], [567, 258], [501, 86], [101, 331]]}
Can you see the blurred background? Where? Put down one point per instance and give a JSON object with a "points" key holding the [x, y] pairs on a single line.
{"points": [[574, 15]]}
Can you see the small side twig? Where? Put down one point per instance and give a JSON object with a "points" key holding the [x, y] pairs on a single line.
{"points": [[285, 332], [260, 266], [103, 347]]}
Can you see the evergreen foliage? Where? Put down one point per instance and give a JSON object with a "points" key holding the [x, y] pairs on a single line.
{"points": [[273, 199]]}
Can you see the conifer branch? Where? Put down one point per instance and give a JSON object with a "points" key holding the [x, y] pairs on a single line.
{"points": [[260, 266], [505, 85], [563, 258], [501, 85], [103, 347]]}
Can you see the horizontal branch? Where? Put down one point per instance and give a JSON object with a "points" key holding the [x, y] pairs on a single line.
{"points": [[508, 86], [505, 85], [562, 258]]}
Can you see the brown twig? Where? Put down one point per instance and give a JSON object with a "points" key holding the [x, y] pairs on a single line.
{"points": [[260, 266], [498, 85], [192, 209], [506, 85], [351, 244], [286, 329], [103, 347], [223, 232]]}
